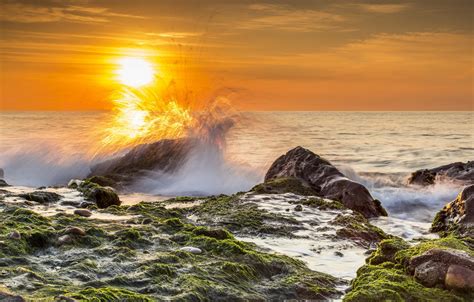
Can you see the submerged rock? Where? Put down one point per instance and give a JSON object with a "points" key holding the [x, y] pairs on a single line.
{"points": [[326, 180], [458, 171], [41, 196], [457, 216]]}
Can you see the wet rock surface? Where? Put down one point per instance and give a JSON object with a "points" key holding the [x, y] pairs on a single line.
{"points": [[458, 171], [457, 216], [165, 155], [153, 253], [103, 197], [41, 197], [325, 179]]}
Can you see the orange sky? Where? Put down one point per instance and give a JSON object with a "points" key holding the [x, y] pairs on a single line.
{"points": [[272, 55]]}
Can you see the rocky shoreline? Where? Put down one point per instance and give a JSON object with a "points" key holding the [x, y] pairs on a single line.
{"points": [[306, 233]]}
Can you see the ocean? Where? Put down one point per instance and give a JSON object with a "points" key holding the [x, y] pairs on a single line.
{"points": [[379, 149]]}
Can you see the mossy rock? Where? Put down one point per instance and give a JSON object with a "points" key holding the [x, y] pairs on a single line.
{"points": [[386, 275], [284, 185]]}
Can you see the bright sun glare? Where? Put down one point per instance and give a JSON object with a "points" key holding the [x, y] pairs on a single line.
{"points": [[135, 72]]}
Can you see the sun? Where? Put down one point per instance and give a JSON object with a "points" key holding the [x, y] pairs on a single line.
{"points": [[135, 72]]}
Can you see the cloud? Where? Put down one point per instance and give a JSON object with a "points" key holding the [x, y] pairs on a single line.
{"points": [[384, 8], [30, 13], [283, 17]]}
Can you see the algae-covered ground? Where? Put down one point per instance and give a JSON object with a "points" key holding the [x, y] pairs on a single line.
{"points": [[140, 258], [276, 242]]}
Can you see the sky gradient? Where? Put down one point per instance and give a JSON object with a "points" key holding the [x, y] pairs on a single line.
{"points": [[269, 55]]}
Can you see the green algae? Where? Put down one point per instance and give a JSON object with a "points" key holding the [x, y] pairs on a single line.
{"points": [[137, 261]]}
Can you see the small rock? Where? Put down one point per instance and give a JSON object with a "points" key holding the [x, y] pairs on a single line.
{"points": [[339, 254], [65, 239], [14, 235], [7, 297], [459, 277], [83, 212], [75, 231], [287, 210], [430, 273], [3, 183], [191, 249], [299, 208]]}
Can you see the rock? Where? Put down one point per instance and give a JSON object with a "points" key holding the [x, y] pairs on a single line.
{"points": [[14, 235], [339, 254], [3, 183], [191, 249], [65, 239], [41, 196], [165, 155], [75, 231], [326, 180], [74, 183], [7, 297], [457, 216], [103, 197], [298, 208], [83, 212], [458, 172], [431, 268], [459, 278]]}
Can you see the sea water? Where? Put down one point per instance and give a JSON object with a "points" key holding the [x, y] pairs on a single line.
{"points": [[378, 149]]}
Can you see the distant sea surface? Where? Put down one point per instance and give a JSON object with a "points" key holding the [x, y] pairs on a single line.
{"points": [[40, 148], [366, 141]]}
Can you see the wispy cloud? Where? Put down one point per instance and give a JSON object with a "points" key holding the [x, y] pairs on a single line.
{"points": [[283, 17], [28, 13], [384, 8]]}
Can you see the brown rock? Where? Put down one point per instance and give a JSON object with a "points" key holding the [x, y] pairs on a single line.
{"points": [[459, 277], [14, 235], [83, 212], [432, 267], [75, 231], [326, 180]]}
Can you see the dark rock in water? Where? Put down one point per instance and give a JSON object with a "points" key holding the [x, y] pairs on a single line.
{"points": [[83, 212], [103, 197], [326, 180], [165, 155], [431, 268], [457, 216], [3, 183], [41, 196], [298, 208], [6, 297], [458, 171]]}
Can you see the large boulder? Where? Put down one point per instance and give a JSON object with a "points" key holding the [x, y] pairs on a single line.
{"points": [[458, 172], [103, 197], [166, 155], [326, 180], [457, 216]]}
